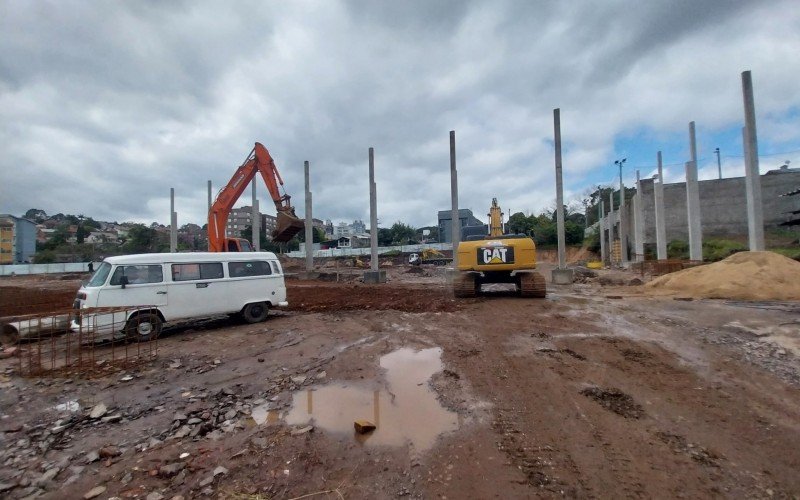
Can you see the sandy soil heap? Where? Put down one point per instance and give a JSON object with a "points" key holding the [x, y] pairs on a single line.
{"points": [[744, 276]]}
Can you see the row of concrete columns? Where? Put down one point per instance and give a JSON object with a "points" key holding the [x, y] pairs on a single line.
{"points": [[755, 218], [606, 224]]}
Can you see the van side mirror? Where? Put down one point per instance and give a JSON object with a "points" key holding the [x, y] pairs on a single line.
{"points": [[123, 280]]}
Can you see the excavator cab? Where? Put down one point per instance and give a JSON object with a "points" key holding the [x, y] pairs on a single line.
{"points": [[237, 245]]}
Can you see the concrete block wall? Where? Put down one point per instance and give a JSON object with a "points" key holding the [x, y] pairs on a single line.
{"points": [[723, 207]]}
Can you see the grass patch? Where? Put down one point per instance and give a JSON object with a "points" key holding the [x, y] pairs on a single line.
{"points": [[718, 249], [791, 252]]}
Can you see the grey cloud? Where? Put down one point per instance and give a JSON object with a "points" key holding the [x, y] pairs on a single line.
{"points": [[97, 99]]}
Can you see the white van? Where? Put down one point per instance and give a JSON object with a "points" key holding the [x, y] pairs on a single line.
{"points": [[177, 286]]}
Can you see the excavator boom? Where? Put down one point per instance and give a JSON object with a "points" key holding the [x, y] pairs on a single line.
{"points": [[258, 161]]}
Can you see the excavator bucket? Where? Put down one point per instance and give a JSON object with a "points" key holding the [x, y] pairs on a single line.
{"points": [[288, 225]]}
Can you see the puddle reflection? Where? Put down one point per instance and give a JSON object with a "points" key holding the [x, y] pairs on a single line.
{"points": [[405, 412]]}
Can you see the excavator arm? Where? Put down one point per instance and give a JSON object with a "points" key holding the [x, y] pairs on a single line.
{"points": [[258, 161]]}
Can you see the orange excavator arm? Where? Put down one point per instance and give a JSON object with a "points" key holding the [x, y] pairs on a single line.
{"points": [[258, 161]]}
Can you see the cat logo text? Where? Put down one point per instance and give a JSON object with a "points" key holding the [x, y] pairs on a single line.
{"points": [[496, 255]]}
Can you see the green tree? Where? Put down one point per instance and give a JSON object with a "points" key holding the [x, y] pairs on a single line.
{"points": [[317, 233], [384, 237], [402, 234], [81, 233], [141, 239], [36, 214], [519, 223]]}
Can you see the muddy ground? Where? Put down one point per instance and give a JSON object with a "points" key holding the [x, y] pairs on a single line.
{"points": [[597, 391]]}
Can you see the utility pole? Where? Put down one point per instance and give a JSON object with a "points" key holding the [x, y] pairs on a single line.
{"points": [[719, 163]]}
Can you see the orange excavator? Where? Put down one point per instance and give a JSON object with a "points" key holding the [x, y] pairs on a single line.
{"points": [[288, 224]]}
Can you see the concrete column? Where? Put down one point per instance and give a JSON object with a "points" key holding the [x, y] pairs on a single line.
{"points": [[755, 208], [623, 219], [692, 144], [562, 263], [611, 223], [693, 212], [455, 222], [209, 197], [373, 275], [638, 220], [173, 223], [661, 227], [602, 222], [256, 221], [310, 222], [561, 275]]}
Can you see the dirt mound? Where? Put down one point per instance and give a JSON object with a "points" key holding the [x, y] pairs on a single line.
{"points": [[311, 296], [743, 276]]}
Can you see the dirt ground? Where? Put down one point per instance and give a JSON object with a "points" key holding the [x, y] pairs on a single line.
{"points": [[597, 391]]}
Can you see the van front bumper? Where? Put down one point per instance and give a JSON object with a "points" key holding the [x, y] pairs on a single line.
{"points": [[283, 304]]}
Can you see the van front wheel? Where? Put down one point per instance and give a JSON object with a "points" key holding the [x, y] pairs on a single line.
{"points": [[143, 327], [255, 312]]}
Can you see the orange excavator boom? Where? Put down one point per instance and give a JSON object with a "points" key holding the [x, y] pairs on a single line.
{"points": [[258, 161]]}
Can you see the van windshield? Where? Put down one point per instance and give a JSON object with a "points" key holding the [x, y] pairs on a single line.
{"points": [[99, 277]]}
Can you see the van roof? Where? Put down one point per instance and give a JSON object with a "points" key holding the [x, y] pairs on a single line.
{"points": [[162, 258]]}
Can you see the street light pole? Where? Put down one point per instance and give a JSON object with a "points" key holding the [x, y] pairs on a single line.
{"points": [[621, 186], [719, 164]]}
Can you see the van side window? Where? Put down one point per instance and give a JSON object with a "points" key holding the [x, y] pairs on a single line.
{"points": [[205, 271], [249, 268], [276, 269], [138, 274]]}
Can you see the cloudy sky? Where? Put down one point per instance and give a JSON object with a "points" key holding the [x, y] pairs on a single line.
{"points": [[106, 105]]}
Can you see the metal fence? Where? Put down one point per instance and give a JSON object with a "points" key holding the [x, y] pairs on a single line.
{"points": [[72, 342], [353, 252], [64, 267]]}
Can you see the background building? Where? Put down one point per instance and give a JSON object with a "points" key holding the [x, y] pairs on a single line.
{"points": [[17, 240], [238, 220], [465, 218]]}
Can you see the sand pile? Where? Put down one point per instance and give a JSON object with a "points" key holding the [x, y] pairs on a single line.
{"points": [[743, 276]]}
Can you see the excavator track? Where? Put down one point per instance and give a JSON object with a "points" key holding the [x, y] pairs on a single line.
{"points": [[464, 285], [532, 285]]}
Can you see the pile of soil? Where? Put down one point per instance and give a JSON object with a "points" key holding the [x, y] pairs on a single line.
{"points": [[742, 276]]}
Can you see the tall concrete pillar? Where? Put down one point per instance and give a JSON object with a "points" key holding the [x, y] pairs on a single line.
{"points": [[611, 223], [373, 275], [562, 275], [310, 222], [661, 227], [602, 222], [455, 229], [209, 197], [256, 220], [755, 208], [173, 223], [638, 220], [693, 212], [622, 215], [373, 213], [562, 263]]}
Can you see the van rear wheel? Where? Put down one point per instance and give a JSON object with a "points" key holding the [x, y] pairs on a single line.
{"points": [[255, 312], [143, 327]]}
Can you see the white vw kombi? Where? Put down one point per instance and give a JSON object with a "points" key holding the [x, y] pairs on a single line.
{"points": [[158, 288]]}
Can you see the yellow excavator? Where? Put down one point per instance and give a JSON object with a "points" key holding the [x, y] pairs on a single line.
{"points": [[498, 258]]}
